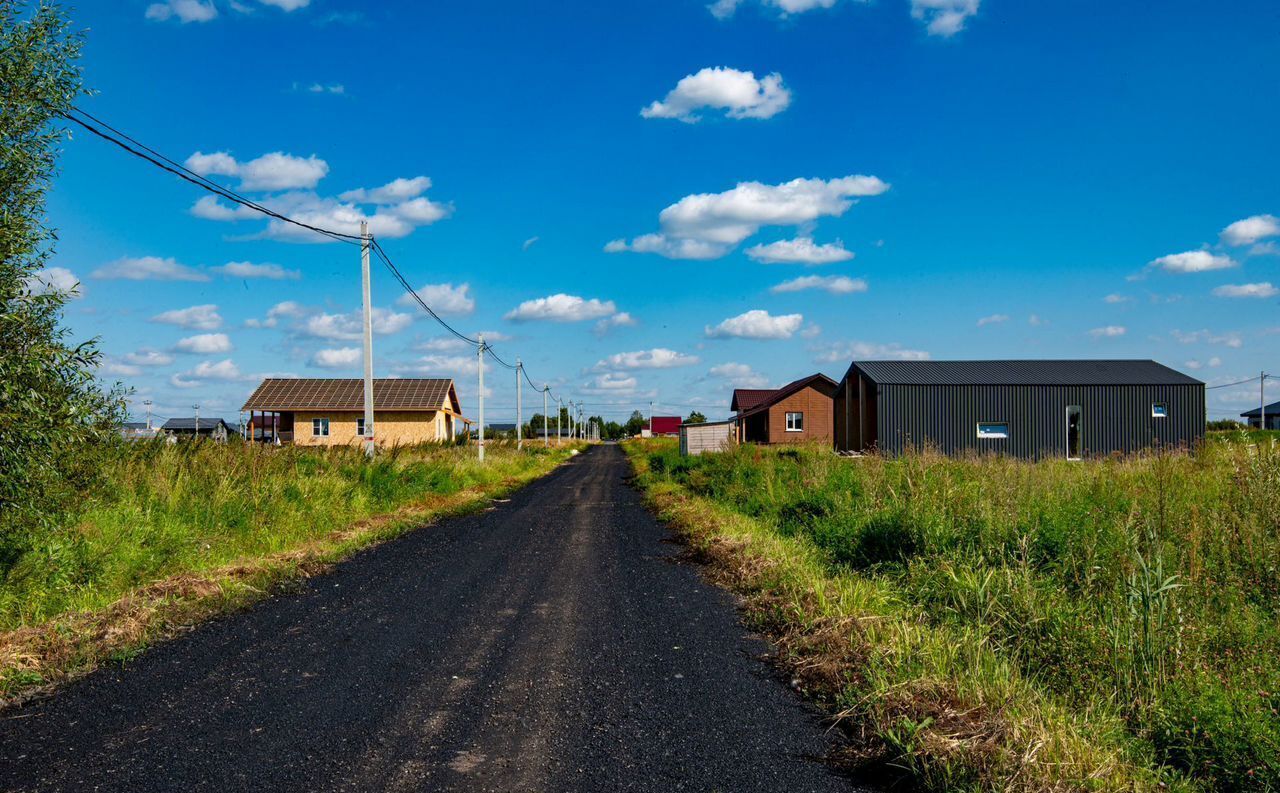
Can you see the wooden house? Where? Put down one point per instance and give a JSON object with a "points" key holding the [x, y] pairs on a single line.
{"points": [[796, 413]]}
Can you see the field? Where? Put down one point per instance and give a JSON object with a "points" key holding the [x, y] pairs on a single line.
{"points": [[990, 624], [188, 530]]}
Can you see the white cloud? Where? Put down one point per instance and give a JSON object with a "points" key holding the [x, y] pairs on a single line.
{"points": [[1192, 262], [443, 366], [657, 358], [723, 9], [272, 272], [1108, 332], [757, 324], [54, 279], [562, 308], [388, 221], [1115, 299], [834, 284], [1196, 364], [148, 357], [285, 310], [393, 192], [610, 383], [844, 352], [443, 298], [620, 320], [944, 17], [204, 317], [800, 250], [225, 370], [1035, 321], [148, 268], [1265, 249], [333, 88], [287, 5], [350, 327], [739, 375], [183, 10], [1264, 289], [205, 344], [271, 172], [341, 358], [527, 244], [209, 208], [708, 225], [1251, 229], [115, 368], [443, 344], [736, 92], [1231, 340], [994, 319]]}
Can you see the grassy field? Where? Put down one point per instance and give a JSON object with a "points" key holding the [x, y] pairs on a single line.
{"points": [[989, 624], [193, 529]]}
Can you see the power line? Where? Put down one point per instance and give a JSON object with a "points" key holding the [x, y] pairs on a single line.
{"points": [[1239, 382]]}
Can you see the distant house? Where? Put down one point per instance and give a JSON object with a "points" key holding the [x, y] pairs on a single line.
{"points": [[330, 411], [1032, 409], [799, 411], [1254, 417], [137, 430], [213, 428], [663, 427]]}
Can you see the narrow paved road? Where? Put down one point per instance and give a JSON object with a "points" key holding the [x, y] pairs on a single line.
{"points": [[549, 644]]}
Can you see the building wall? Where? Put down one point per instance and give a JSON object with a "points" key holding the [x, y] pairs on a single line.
{"points": [[391, 428], [698, 438], [819, 416], [1114, 418]]}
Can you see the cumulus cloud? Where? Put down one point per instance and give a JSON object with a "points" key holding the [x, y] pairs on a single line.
{"points": [[757, 324], [657, 358], [393, 192], [1115, 299], [738, 93], [1195, 364], [148, 268], [114, 368], [205, 344], [1206, 336], [843, 352], [620, 320], [1108, 332], [288, 309], [1192, 262], [271, 272], [739, 375], [286, 5], [562, 308], [800, 250], [387, 221], [833, 284], [610, 383], [1263, 289], [350, 326], [709, 225], [203, 317], [443, 298], [442, 366], [995, 319], [1251, 230], [340, 358], [723, 9], [54, 279], [944, 17], [269, 173], [183, 10], [225, 370], [148, 357]]}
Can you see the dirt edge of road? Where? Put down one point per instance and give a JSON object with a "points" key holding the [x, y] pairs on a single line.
{"points": [[38, 659]]}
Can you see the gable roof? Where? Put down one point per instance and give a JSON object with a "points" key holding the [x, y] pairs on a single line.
{"points": [[768, 399], [1042, 372], [747, 398], [1272, 410], [319, 393], [190, 424]]}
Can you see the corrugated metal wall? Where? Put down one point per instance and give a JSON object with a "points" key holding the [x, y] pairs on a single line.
{"points": [[1114, 418]]}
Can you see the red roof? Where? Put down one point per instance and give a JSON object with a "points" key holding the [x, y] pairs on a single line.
{"points": [[667, 425]]}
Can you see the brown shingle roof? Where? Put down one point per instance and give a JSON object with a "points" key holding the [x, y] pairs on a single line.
{"points": [[747, 398], [770, 398], [278, 393]]}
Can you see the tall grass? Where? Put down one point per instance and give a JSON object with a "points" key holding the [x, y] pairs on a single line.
{"points": [[1013, 625]]}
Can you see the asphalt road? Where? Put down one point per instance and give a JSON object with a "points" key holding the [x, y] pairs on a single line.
{"points": [[552, 643]]}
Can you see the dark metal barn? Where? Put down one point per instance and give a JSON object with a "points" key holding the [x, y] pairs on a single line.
{"points": [[1032, 409]]}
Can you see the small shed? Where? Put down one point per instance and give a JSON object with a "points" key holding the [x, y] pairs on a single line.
{"points": [[711, 436], [1254, 417]]}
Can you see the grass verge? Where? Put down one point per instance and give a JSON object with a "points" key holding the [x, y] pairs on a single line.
{"points": [[990, 624], [193, 530]]}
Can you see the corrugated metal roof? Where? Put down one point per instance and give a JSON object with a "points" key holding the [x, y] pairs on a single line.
{"points": [[190, 424], [1042, 372], [277, 393], [1272, 410]]}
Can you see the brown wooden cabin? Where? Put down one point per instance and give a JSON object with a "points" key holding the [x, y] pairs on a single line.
{"points": [[798, 412]]}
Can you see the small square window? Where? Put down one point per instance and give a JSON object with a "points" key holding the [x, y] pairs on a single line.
{"points": [[1159, 410], [359, 428], [795, 422], [320, 428], [993, 429]]}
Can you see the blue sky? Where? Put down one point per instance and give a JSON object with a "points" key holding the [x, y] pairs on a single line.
{"points": [[661, 200]]}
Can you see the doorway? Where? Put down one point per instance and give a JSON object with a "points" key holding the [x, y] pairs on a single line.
{"points": [[1075, 440]]}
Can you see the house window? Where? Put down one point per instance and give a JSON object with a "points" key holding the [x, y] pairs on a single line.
{"points": [[320, 428], [993, 429], [1159, 410], [795, 422], [359, 428]]}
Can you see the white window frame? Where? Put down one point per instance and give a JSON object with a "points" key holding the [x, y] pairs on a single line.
{"points": [[319, 424], [1159, 410], [790, 427], [993, 436], [360, 427]]}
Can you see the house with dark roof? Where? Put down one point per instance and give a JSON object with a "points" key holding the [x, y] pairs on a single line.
{"points": [[1254, 417], [195, 426], [1035, 409], [330, 411], [798, 412]]}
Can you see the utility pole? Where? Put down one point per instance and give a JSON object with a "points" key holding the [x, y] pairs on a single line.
{"points": [[147, 402], [196, 408], [368, 339], [519, 414], [651, 418], [559, 411], [546, 435], [480, 374], [571, 435], [1262, 401]]}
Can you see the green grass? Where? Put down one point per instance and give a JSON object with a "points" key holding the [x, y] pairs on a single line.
{"points": [[992, 624], [191, 529]]}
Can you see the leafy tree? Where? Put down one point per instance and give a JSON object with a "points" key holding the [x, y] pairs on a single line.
{"points": [[612, 431], [696, 418], [55, 420], [634, 424]]}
